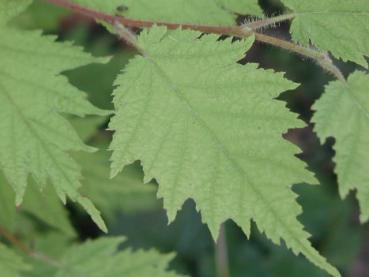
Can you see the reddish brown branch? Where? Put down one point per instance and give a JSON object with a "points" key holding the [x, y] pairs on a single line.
{"points": [[22, 247], [322, 59], [13, 240], [111, 19]]}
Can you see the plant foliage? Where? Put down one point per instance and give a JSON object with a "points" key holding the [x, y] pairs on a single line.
{"points": [[198, 130], [340, 27], [35, 136], [202, 124]]}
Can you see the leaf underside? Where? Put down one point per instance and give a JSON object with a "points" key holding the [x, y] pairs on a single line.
{"points": [[210, 129], [35, 139]]}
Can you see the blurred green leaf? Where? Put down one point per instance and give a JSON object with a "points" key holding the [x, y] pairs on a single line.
{"points": [[11, 264], [126, 192]]}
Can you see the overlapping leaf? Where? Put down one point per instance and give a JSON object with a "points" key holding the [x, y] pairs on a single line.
{"points": [[35, 139], [343, 113], [11, 265], [210, 129], [338, 26], [218, 12]]}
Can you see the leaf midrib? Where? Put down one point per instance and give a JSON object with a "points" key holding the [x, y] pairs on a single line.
{"points": [[226, 153]]}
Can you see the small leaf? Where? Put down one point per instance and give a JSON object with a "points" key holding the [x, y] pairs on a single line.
{"points": [[338, 26], [343, 113]]}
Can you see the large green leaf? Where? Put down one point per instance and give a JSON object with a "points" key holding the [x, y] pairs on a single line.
{"points": [[338, 26], [343, 113], [35, 139], [210, 129], [217, 12]]}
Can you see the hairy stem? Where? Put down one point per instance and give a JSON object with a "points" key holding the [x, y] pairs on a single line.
{"points": [[246, 30], [321, 58], [269, 21], [25, 249]]}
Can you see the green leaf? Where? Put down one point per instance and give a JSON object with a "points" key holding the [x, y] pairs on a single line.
{"points": [[11, 8], [210, 129], [338, 26], [343, 113], [101, 258], [35, 139], [210, 12], [11, 265]]}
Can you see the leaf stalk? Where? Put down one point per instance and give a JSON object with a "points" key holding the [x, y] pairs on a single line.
{"points": [[26, 250]]}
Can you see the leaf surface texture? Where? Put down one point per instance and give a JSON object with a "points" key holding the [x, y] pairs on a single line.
{"points": [[35, 138], [208, 128]]}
